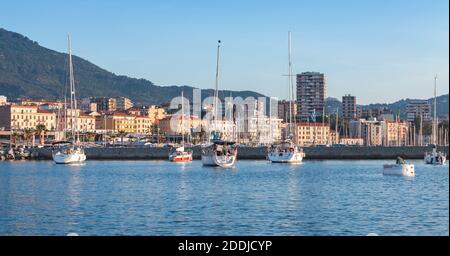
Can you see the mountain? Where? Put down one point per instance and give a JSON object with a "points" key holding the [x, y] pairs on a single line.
{"points": [[442, 107], [28, 70]]}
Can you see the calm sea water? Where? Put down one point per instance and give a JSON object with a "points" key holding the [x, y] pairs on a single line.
{"points": [[255, 198]]}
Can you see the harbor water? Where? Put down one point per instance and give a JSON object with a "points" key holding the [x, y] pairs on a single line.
{"points": [[321, 197]]}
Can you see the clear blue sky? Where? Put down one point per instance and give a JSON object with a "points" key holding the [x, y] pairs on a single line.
{"points": [[378, 50]]}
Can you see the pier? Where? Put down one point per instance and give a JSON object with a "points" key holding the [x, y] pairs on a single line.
{"points": [[251, 153]]}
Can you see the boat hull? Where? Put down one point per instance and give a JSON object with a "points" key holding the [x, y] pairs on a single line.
{"points": [[61, 158], [179, 159], [430, 159], [399, 169], [220, 161], [286, 157]]}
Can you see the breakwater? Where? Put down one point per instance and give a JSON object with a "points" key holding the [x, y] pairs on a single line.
{"points": [[256, 153]]}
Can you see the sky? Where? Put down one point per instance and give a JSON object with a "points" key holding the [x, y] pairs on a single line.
{"points": [[377, 50]]}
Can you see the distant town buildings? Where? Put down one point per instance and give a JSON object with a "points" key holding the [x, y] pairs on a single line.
{"points": [[349, 107], [104, 103], [311, 93], [18, 117], [123, 103], [76, 119], [283, 110], [418, 108], [307, 134], [380, 132], [369, 113]]}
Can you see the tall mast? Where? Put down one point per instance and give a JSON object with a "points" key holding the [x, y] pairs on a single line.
{"points": [[182, 118], [73, 100], [216, 89], [420, 131], [336, 128], [290, 83], [434, 114]]}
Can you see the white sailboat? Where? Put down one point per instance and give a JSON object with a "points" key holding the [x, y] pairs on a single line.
{"points": [[434, 157], [287, 152], [180, 154], [400, 168], [70, 152], [218, 153]]}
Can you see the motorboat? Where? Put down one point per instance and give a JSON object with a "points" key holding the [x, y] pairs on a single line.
{"points": [[400, 168], [180, 154]]}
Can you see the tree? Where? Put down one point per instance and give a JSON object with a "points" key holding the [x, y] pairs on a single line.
{"points": [[14, 137], [40, 131], [122, 134], [28, 134]]}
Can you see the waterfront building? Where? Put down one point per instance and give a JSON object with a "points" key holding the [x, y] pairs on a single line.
{"points": [[283, 110], [370, 113], [82, 121], [348, 107], [174, 124], [307, 134], [372, 131], [18, 117], [155, 113], [42, 104], [136, 111], [3, 100], [104, 103], [122, 121], [417, 108], [260, 130], [396, 133], [334, 137], [123, 103], [359, 112], [311, 91], [351, 141]]}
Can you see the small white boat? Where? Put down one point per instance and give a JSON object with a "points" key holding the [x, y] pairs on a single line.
{"points": [[400, 168], [69, 155], [287, 153], [436, 158], [180, 155], [220, 153]]}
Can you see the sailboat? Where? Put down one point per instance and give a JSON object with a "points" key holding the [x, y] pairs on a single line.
{"points": [[218, 153], [69, 152], [434, 157], [180, 154], [287, 152]]}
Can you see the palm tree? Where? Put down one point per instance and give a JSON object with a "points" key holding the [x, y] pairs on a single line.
{"points": [[122, 134], [40, 131], [27, 135], [14, 137]]}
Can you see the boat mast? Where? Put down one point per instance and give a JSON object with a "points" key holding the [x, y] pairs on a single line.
{"points": [[73, 100], [434, 114], [336, 128], [420, 131], [290, 85], [182, 118], [216, 89]]}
